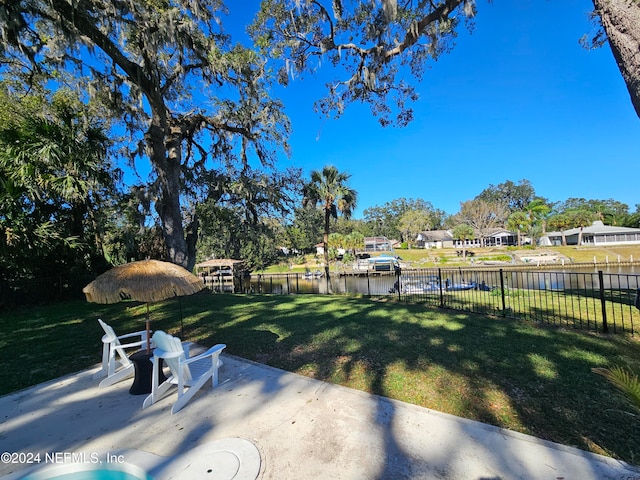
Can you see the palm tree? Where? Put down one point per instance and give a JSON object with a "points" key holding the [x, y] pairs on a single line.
{"points": [[328, 190], [581, 218], [55, 173], [463, 232], [537, 212], [560, 222], [518, 221], [354, 240]]}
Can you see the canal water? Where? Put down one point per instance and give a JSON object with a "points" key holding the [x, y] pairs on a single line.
{"points": [[613, 277]]}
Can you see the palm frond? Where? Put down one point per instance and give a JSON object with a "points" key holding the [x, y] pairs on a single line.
{"points": [[624, 380]]}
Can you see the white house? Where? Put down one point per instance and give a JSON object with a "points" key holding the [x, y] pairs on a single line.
{"points": [[435, 239], [377, 244], [500, 236], [596, 234], [444, 239]]}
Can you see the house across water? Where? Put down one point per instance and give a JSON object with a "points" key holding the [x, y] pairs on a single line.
{"points": [[490, 237], [377, 244], [596, 234]]}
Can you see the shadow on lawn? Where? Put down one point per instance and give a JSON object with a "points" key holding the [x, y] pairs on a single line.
{"points": [[532, 379], [511, 374]]}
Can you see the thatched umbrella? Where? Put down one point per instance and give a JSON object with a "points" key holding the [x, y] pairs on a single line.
{"points": [[143, 281]]}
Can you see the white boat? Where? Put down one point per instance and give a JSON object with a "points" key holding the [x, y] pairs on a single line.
{"points": [[420, 287], [311, 275], [461, 286], [432, 286]]}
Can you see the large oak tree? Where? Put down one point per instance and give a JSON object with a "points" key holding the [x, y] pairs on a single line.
{"points": [[167, 70]]}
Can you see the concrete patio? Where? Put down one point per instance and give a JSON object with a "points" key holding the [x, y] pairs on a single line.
{"points": [[265, 423]]}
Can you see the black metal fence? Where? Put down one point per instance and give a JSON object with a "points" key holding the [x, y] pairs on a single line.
{"points": [[596, 301], [37, 291]]}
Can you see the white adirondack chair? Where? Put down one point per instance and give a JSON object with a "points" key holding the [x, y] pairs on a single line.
{"points": [[116, 365], [191, 373]]}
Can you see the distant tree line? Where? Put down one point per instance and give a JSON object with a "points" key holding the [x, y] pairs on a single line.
{"points": [[509, 205], [517, 208]]}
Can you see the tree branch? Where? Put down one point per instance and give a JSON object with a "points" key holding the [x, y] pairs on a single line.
{"points": [[75, 18], [415, 30]]}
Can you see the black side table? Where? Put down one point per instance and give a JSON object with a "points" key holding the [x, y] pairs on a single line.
{"points": [[143, 367]]}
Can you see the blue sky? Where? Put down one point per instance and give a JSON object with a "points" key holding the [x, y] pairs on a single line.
{"points": [[518, 98]]}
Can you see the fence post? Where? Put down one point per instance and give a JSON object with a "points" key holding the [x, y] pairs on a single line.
{"points": [[297, 283], [504, 303], [440, 285], [603, 303], [368, 284]]}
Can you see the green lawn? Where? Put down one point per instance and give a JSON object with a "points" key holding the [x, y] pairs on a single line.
{"points": [[512, 374]]}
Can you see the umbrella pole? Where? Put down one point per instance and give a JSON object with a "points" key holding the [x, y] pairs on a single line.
{"points": [[148, 330], [181, 320]]}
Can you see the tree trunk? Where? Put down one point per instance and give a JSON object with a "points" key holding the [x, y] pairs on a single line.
{"points": [[166, 159], [621, 22], [325, 239], [192, 233]]}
